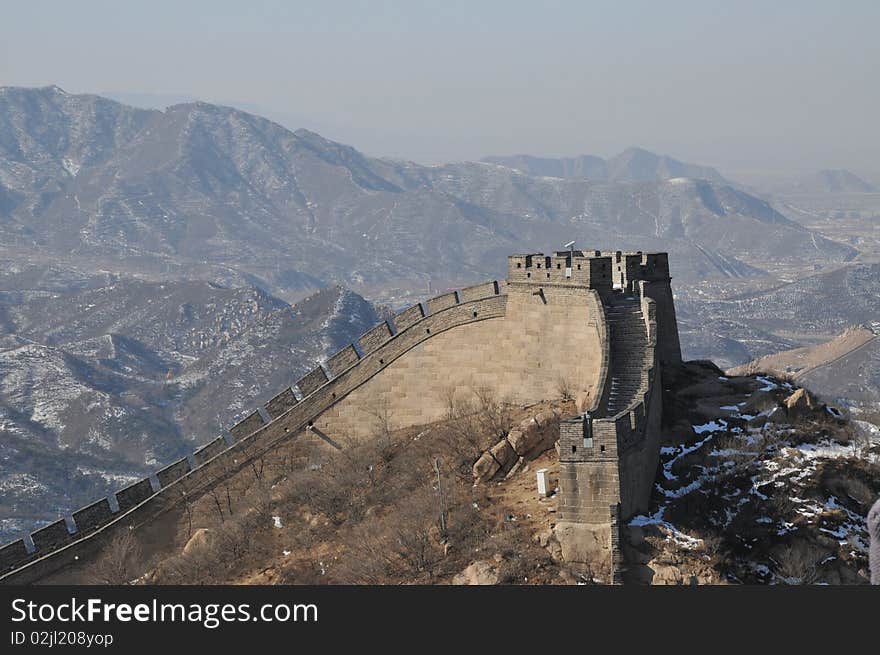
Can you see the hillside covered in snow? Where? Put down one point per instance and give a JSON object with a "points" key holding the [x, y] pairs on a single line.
{"points": [[103, 380]]}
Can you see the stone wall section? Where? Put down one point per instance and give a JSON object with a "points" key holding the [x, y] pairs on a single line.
{"points": [[281, 403], [344, 359], [57, 546], [512, 338], [513, 354]]}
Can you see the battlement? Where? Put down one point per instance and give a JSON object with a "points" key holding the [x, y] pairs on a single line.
{"points": [[593, 269], [287, 414]]}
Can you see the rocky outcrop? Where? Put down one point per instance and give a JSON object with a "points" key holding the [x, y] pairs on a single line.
{"points": [[486, 467], [478, 573], [800, 403], [200, 540], [529, 439], [649, 560]]}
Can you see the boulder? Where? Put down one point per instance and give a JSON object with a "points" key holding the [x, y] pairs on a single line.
{"points": [[478, 573], [529, 425], [200, 539], [523, 442], [665, 574], [504, 453], [545, 418], [514, 469], [800, 403], [518, 441], [584, 544], [547, 440], [485, 468]]}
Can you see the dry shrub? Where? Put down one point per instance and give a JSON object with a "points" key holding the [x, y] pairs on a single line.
{"points": [[232, 543], [118, 562], [471, 425], [855, 482], [798, 563], [404, 543], [564, 388], [377, 498], [348, 482]]}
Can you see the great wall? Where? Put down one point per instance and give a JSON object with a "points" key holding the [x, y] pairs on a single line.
{"points": [[604, 322]]}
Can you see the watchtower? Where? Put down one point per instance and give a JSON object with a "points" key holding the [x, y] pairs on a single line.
{"points": [[572, 268]]}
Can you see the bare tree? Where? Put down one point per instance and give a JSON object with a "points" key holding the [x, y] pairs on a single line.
{"points": [[402, 544], [798, 565], [564, 389], [383, 431], [116, 566]]}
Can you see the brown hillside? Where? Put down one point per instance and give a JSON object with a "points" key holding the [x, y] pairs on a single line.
{"points": [[799, 362], [758, 483]]}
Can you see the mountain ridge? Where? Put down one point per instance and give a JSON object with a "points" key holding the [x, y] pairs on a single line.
{"points": [[633, 164], [217, 193]]}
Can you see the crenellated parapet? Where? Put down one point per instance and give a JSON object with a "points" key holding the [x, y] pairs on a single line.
{"points": [[603, 271], [562, 268], [287, 414]]}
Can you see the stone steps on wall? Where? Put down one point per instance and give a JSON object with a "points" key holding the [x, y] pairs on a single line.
{"points": [[629, 346]]}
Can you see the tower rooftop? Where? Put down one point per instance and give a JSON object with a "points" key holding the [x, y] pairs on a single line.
{"points": [[595, 269]]}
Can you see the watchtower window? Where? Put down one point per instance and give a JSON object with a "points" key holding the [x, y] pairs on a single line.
{"points": [[548, 276], [539, 266], [579, 267], [519, 264], [574, 449], [528, 275], [558, 265], [602, 448]]}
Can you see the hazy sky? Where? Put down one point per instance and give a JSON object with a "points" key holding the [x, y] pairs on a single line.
{"points": [[740, 85]]}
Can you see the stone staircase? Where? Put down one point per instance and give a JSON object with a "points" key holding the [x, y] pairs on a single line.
{"points": [[629, 343]]}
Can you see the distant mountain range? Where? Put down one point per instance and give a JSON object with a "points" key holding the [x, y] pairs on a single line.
{"points": [[632, 165], [821, 183], [833, 181], [209, 192], [109, 379]]}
